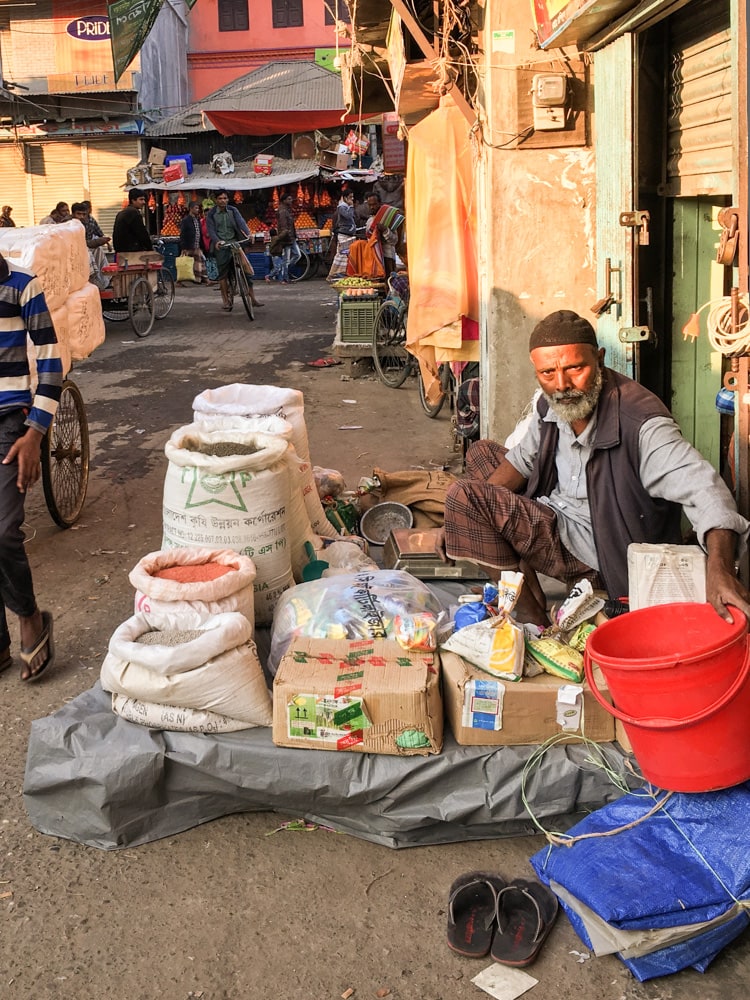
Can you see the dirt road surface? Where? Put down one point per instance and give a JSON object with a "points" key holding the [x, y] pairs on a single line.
{"points": [[233, 910]]}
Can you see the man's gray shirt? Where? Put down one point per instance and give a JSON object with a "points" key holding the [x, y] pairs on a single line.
{"points": [[670, 468]]}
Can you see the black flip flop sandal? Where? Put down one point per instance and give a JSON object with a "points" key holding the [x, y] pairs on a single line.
{"points": [[472, 905], [526, 911], [45, 638]]}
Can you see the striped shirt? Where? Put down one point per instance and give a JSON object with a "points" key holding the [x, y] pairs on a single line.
{"points": [[23, 310]]}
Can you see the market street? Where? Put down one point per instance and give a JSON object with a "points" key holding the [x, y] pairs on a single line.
{"points": [[226, 911]]}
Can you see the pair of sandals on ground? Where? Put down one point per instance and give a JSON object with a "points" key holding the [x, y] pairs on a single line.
{"points": [[509, 921], [45, 644]]}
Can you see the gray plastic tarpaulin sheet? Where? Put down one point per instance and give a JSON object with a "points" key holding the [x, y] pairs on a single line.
{"points": [[97, 779]]}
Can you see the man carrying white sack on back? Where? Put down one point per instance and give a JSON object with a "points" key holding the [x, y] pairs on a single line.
{"points": [[602, 464], [23, 423]]}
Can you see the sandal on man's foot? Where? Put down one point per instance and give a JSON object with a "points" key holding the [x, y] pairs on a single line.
{"points": [[44, 640], [227, 309]]}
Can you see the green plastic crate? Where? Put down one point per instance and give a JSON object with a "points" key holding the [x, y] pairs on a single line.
{"points": [[357, 319]]}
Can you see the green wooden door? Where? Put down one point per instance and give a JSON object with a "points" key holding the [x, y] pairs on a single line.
{"points": [[696, 368]]}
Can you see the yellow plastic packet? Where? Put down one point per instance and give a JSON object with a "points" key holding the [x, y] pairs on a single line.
{"points": [[556, 658]]}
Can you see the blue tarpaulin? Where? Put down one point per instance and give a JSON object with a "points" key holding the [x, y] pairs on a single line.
{"points": [[679, 877]]}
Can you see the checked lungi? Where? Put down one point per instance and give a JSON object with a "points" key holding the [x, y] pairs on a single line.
{"points": [[493, 526]]}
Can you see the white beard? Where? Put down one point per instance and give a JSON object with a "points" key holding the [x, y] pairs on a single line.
{"points": [[584, 402]]}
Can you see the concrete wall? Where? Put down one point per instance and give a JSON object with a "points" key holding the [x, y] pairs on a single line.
{"points": [[537, 220]]}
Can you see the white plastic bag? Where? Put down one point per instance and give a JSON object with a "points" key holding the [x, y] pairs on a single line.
{"points": [[244, 400], [181, 720], [230, 489], [216, 671], [169, 603]]}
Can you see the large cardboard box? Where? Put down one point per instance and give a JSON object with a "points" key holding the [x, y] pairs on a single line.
{"points": [[484, 711], [156, 155], [332, 160], [369, 696]]}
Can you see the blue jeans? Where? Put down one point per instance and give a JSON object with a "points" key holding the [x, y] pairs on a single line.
{"points": [[292, 254], [16, 588], [278, 270]]}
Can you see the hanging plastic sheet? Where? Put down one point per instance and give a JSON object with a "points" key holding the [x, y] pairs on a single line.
{"points": [[441, 216]]}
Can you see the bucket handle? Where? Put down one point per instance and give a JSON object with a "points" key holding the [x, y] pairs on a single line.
{"points": [[668, 723]]}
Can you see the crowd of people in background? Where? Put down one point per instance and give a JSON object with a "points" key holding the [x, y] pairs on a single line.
{"points": [[367, 235]]}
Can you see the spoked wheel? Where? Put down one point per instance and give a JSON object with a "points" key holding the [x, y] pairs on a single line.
{"points": [[243, 287], [432, 409], [141, 307], [231, 285], [164, 293], [392, 361], [302, 268], [116, 315], [65, 458]]}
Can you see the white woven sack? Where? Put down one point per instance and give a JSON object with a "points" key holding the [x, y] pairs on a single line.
{"points": [[239, 501], [180, 720], [240, 400], [57, 255], [171, 604], [218, 671], [85, 321], [298, 521]]}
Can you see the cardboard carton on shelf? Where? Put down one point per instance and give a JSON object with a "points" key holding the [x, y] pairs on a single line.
{"points": [[174, 174], [485, 711], [332, 160], [367, 696], [157, 155], [263, 164]]}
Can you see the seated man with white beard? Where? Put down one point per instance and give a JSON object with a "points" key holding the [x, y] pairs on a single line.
{"points": [[602, 464]]}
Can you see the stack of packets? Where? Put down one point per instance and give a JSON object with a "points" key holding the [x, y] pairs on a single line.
{"points": [[487, 635]]}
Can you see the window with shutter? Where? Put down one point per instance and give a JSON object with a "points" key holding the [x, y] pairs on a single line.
{"points": [[287, 13], [233, 15], [337, 10]]}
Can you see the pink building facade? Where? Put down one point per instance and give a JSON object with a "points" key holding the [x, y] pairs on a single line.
{"points": [[228, 38]]}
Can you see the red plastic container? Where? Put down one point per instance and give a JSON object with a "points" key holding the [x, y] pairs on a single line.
{"points": [[679, 676]]}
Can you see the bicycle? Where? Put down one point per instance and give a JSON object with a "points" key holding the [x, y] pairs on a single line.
{"points": [[237, 280], [392, 361]]}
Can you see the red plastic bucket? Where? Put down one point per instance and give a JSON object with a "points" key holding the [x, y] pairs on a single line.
{"points": [[679, 676]]}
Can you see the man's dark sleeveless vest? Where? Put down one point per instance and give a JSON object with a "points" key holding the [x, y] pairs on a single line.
{"points": [[621, 510]]}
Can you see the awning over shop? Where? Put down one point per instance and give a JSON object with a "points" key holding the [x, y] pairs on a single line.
{"points": [[564, 22], [203, 178], [292, 96]]}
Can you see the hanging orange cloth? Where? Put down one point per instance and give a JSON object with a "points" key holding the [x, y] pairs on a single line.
{"points": [[442, 223], [275, 199]]}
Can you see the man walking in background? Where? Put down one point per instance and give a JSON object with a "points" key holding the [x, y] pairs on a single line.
{"points": [[23, 423]]}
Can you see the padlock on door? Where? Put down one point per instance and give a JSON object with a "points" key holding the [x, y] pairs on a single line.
{"points": [[728, 241]]}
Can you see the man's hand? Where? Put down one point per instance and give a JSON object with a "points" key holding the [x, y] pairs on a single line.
{"points": [[27, 450], [440, 545], [722, 585]]}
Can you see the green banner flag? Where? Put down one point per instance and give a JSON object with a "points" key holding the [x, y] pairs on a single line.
{"points": [[129, 23]]}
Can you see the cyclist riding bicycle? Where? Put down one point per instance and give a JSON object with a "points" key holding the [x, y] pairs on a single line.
{"points": [[225, 225]]}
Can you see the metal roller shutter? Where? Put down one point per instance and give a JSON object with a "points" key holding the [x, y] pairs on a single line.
{"points": [[699, 158], [107, 164], [15, 191], [56, 175]]}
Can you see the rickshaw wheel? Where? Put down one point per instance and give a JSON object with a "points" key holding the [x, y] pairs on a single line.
{"points": [[65, 458], [141, 307], [164, 293]]}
